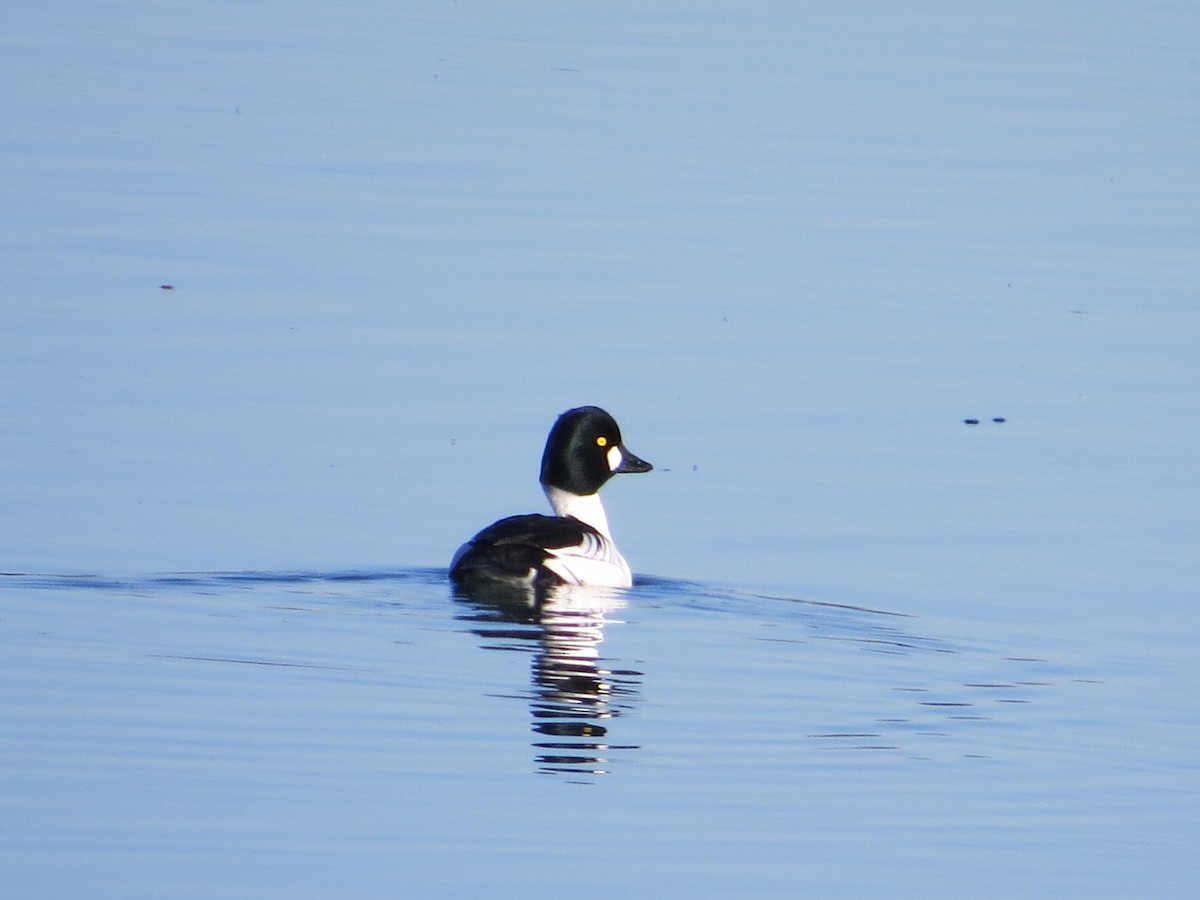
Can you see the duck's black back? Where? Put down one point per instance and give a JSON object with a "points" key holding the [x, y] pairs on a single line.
{"points": [[515, 547]]}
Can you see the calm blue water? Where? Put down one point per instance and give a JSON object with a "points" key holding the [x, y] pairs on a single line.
{"points": [[305, 733], [291, 297]]}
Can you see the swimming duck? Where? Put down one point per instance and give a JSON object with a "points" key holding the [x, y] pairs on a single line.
{"points": [[574, 546]]}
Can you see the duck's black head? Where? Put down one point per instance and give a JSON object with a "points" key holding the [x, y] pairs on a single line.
{"points": [[584, 450]]}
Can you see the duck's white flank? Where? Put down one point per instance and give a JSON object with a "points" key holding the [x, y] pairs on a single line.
{"points": [[596, 561]]}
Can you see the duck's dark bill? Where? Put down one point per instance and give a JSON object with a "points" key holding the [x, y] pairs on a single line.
{"points": [[631, 463]]}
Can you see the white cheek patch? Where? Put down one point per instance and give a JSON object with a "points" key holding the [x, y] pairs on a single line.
{"points": [[615, 458]]}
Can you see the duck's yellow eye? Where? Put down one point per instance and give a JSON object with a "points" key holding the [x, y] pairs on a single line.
{"points": [[602, 441]]}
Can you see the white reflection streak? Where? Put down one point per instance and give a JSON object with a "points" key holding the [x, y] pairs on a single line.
{"points": [[572, 692]]}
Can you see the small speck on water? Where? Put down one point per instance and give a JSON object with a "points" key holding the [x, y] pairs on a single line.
{"points": [[971, 421], [166, 287]]}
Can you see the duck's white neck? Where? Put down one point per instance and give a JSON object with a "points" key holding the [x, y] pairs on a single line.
{"points": [[587, 508]]}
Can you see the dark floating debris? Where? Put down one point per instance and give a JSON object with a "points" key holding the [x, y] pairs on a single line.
{"points": [[166, 287], [971, 421], [999, 420]]}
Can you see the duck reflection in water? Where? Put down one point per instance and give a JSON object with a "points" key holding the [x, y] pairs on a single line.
{"points": [[573, 698]]}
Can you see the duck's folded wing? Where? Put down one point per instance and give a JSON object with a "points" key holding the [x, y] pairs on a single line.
{"points": [[518, 546]]}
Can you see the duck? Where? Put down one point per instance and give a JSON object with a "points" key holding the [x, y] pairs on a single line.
{"points": [[574, 546]]}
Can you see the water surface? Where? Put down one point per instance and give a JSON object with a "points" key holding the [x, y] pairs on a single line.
{"points": [[293, 733], [291, 298]]}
